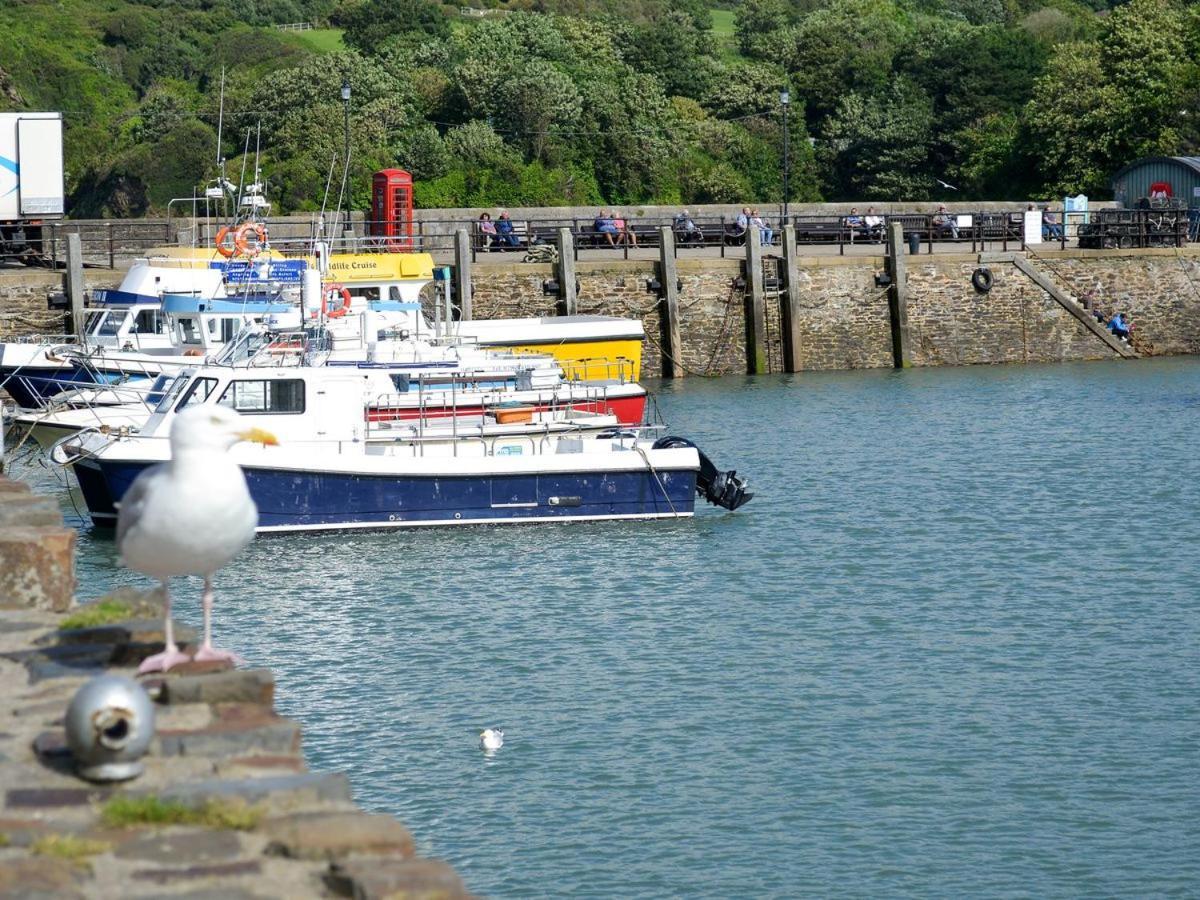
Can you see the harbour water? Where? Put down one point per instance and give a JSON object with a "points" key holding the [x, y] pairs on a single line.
{"points": [[952, 647]]}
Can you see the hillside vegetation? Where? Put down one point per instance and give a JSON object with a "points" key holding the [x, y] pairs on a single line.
{"points": [[544, 102]]}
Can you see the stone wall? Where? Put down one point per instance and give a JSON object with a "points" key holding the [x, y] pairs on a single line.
{"points": [[843, 319], [1158, 289], [226, 806], [23, 295], [842, 315], [950, 323]]}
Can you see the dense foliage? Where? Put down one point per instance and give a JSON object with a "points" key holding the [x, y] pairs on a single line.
{"points": [[548, 102]]}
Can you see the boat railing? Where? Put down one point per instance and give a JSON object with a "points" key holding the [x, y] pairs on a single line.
{"points": [[255, 348], [620, 369]]}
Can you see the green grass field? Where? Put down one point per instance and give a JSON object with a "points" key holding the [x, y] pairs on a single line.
{"points": [[322, 40], [722, 32], [722, 23]]}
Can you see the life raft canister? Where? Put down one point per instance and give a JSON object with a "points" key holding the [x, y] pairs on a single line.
{"points": [[331, 292], [982, 279]]}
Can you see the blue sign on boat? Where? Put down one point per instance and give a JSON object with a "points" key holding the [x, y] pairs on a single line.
{"points": [[241, 271]]}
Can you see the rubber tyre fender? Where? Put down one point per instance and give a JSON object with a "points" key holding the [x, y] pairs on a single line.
{"points": [[982, 279]]}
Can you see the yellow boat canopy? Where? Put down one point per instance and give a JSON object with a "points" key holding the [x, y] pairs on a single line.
{"points": [[344, 267]]}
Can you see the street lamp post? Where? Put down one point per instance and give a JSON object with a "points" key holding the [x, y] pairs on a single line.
{"points": [[346, 151], [785, 100]]}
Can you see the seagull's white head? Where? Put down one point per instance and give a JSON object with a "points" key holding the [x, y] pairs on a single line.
{"points": [[214, 429]]}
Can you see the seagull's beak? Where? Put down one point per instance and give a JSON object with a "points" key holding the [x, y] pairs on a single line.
{"points": [[259, 436]]}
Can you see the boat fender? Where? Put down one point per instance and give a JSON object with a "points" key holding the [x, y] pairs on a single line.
{"points": [[225, 242], [719, 488], [331, 292], [241, 239], [982, 279]]}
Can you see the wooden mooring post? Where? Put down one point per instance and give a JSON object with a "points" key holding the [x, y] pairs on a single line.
{"points": [[462, 273], [789, 302], [898, 296], [755, 309], [73, 285], [568, 296], [668, 306]]}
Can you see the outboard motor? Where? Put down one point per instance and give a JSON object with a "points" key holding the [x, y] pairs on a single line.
{"points": [[719, 488]]}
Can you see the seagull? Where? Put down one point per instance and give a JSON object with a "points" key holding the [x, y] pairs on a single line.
{"points": [[190, 516], [491, 739], [948, 187]]}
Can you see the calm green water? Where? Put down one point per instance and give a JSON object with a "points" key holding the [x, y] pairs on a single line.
{"points": [[952, 647]]}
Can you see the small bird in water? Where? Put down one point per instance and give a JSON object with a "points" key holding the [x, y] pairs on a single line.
{"points": [[190, 516], [491, 739]]}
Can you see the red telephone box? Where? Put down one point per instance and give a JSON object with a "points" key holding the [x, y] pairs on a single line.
{"points": [[392, 208]]}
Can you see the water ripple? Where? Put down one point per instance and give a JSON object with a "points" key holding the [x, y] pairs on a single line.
{"points": [[950, 648]]}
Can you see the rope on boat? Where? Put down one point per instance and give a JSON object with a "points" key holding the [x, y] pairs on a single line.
{"points": [[662, 487]]}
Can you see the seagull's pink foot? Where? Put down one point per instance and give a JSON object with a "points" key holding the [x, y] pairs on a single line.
{"points": [[161, 662], [209, 653]]}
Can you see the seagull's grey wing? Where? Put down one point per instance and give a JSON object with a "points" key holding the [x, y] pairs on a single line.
{"points": [[130, 506]]}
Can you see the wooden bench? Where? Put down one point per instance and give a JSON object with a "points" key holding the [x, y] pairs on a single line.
{"points": [[498, 241]]}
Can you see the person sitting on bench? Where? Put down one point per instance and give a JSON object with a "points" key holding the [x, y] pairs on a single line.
{"points": [[945, 223], [504, 230], [624, 232], [487, 230], [605, 225], [686, 230]]}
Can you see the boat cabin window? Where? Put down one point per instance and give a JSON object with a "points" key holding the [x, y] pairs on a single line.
{"points": [[96, 321], [188, 332], [394, 293], [265, 397], [158, 390], [112, 324], [199, 392], [172, 393], [150, 321], [401, 381], [222, 330]]}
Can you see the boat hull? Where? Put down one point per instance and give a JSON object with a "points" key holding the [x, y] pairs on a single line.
{"points": [[31, 387], [293, 499], [583, 360]]}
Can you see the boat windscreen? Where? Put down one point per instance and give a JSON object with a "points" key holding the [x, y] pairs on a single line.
{"points": [[172, 392]]}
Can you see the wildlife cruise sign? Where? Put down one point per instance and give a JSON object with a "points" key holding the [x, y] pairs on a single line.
{"points": [[376, 267]]}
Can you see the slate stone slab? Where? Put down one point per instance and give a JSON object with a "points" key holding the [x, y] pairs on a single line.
{"points": [[334, 835], [365, 878], [72, 661], [190, 873], [241, 686], [32, 798], [39, 877], [329, 787], [171, 847]]}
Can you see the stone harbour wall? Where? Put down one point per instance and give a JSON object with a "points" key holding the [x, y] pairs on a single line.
{"points": [[226, 807], [842, 319], [842, 315]]}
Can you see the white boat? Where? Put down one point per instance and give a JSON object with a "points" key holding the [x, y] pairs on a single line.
{"points": [[333, 470]]}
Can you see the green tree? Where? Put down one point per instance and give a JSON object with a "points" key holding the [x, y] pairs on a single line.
{"points": [[369, 25], [876, 146], [849, 45]]}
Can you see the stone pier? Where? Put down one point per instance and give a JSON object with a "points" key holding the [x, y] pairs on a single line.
{"points": [[226, 808]]}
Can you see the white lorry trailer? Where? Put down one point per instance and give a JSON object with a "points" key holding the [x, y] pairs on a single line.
{"points": [[31, 181]]}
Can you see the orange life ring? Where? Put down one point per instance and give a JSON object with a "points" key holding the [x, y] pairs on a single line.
{"points": [[332, 291], [226, 249], [260, 238]]}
